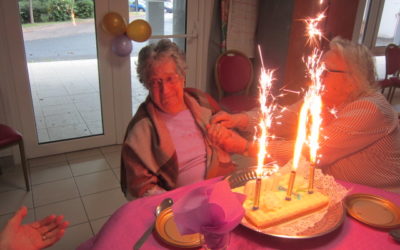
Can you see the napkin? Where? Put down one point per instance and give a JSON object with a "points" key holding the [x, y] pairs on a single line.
{"points": [[213, 208]]}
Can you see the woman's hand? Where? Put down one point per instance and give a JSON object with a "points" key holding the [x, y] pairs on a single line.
{"points": [[37, 235], [239, 120], [227, 139]]}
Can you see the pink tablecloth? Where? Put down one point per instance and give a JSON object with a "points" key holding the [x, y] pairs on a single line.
{"points": [[128, 223]]}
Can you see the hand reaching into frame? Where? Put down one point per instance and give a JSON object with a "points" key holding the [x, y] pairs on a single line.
{"points": [[227, 139], [33, 236]]}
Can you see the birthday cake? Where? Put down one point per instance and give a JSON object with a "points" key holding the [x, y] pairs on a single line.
{"points": [[273, 208]]}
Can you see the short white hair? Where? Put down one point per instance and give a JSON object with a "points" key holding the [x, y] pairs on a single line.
{"points": [[165, 48], [360, 62]]}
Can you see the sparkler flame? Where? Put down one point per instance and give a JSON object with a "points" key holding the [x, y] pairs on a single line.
{"points": [[313, 33], [310, 119], [266, 111], [301, 134]]}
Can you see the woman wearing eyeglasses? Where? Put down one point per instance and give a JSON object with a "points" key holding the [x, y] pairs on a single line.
{"points": [[165, 144], [360, 141]]}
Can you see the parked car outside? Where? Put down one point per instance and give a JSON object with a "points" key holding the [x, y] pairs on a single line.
{"points": [[132, 6], [168, 7]]}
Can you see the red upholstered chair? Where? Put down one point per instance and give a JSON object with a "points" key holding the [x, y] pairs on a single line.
{"points": [[10, 137], [392, 80], [233, 76]]}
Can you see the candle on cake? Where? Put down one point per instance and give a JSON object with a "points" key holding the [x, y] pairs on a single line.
{"points": [[264, 124]]}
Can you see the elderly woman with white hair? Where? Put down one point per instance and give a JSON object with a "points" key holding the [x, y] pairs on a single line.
{"points": [[360, 143], [165, 144]]}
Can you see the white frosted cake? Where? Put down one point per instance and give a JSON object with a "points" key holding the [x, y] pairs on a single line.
{"points": [[274, 209]]}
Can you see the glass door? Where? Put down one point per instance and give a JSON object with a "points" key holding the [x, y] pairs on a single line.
{"points": [[65, 74], [72, 91], [168, 20], [380, 24], [62, 60]]}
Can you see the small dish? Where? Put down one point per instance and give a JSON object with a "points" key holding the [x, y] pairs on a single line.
{"points": [[168, 232], [373, 210]]}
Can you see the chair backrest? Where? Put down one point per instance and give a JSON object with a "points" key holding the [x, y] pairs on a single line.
{"points": [[392, 54], [233, 72]]}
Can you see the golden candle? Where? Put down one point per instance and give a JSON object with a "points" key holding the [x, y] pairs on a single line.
{"points": [[311, 179], [257, 193], [290, 185]]}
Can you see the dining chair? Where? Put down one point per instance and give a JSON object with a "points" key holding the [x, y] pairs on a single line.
{"points": [[233, 77], [10, 137], [392, 80]]}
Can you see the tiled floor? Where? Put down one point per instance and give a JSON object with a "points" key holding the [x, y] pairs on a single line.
{"points": [[84, 186]]}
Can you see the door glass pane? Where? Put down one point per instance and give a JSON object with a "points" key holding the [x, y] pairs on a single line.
{"points": [[389, 28], [166, 18], [61, 52]]}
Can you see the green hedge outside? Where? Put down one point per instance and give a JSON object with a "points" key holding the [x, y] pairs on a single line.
{"points": [[55, 10]]}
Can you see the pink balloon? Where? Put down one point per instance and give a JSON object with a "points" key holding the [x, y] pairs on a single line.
{"points": [[121, 45]]}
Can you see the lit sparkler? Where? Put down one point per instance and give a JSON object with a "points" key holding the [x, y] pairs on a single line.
{"points": [[310, 115], [266, 110]]}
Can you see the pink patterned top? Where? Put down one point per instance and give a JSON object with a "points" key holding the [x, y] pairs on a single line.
{"points": [[189, 145]]}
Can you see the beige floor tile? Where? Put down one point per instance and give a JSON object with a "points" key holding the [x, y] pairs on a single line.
{"points": [[112, 148], [47, 160], [103, 204], [83, 154], [96, 182], [88, 165], [49, 173], [97, 224], [113, 159], [29, 218], [13, 200], [74, 236], [73, 211], [117, 173], [54, 192]]}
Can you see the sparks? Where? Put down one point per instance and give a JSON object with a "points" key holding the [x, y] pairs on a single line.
{"points": [[310, 114], [266, 114], [333, 112], [313, 33], [291, 91]]}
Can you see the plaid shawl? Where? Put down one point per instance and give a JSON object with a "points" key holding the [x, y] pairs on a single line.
{"points": [[148, 154]]}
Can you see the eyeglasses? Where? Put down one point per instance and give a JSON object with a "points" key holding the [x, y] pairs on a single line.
{"points": [[332, 71], [171, 79]]}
